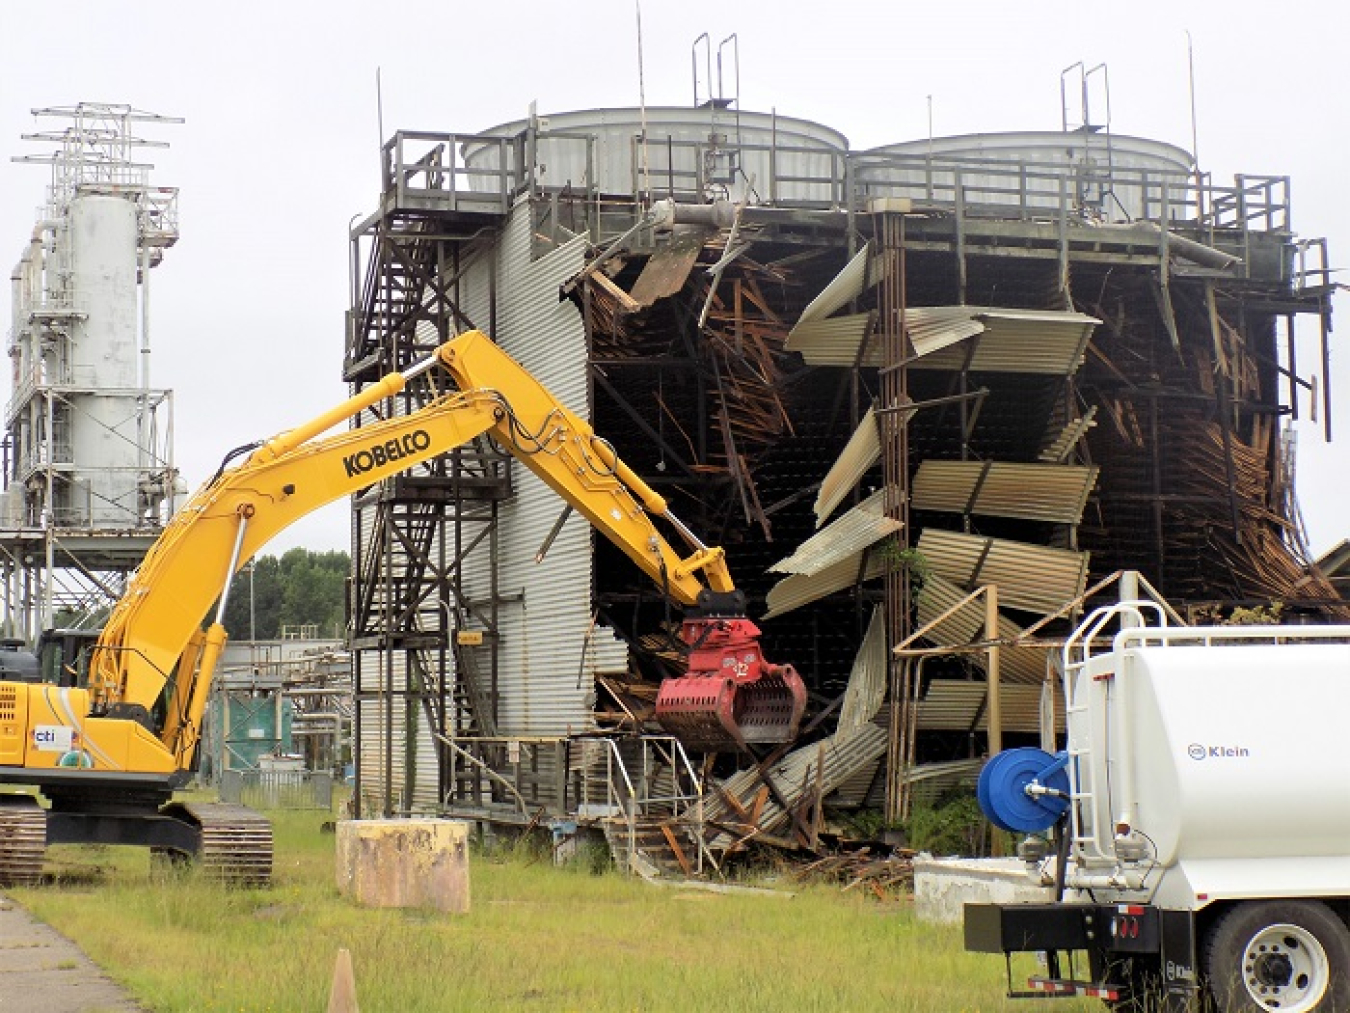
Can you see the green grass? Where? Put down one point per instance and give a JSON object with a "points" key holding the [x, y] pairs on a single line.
{"points": [[536, 938]]}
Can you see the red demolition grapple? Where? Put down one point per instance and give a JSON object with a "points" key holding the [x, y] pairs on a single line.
{"points": [[731, 697]]}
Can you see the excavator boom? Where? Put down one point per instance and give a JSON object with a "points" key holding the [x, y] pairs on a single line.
{"points": [[153, 638], [137, 720]]}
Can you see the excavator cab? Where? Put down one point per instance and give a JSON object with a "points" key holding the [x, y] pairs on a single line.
{"points": [[16, 663], [731, 697], [63, 656]]}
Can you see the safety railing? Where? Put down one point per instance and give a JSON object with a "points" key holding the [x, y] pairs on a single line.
{"points": [[1312, 268], [451, 172], [589, 778], [484, 172], [654, 782], [1252, 203], [277, 789], [664, 782], [780, 175], [518, 778], [1028, 188], [587, 775]]}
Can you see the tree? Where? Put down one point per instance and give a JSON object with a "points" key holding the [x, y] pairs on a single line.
{"points": [[313, 590], [302, 588]]}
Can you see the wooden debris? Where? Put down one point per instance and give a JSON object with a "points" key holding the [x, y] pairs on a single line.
{"points": [[676, 850], [624, 300], [885, 876]]}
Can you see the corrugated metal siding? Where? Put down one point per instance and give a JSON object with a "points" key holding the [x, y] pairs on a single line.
{"points": [[956, 706], [1030, 577], [425, 332], [867, 682], [928, 783], [543, 688], [846, 286], [1063, 444], [371, 754], [797, 590], [834, 342], [379, 739], [966, 626], [606, 653], [1040, 492], [862, 451], [866, 787], [933, 328], [1008, 341], [426, 787], [1020, 341], [861, 527], [845, 754]]}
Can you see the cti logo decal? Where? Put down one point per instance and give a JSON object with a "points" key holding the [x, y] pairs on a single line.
{"points": [[381, 454], [1198, 752]]}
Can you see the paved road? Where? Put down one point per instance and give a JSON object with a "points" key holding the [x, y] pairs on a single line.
{"points": [[42, 971]]}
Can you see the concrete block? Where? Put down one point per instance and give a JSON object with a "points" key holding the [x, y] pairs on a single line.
{"points": [[404, 863], [944, 886]]}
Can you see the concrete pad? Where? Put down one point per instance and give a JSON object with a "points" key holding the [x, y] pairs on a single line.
{"points": [[41, 971], [405, 863], [944, 886]]}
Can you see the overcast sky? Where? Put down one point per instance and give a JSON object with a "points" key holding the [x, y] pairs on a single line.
{"points": [[279, 151]]}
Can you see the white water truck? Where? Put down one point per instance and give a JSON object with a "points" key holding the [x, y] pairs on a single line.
{"points": [[1195, 831]]}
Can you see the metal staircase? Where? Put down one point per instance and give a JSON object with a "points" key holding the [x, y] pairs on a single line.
{"points": [[647, 799]]}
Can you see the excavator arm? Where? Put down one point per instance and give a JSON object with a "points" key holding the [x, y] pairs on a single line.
{"points": [[153, 663]]}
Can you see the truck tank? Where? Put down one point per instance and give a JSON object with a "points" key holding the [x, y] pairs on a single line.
{"points": [[1240, 752], [1210, 751]]}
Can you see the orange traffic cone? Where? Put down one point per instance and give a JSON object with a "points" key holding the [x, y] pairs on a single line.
{"points": [[343, 997]]}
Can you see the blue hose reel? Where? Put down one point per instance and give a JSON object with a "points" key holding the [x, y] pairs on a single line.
{"points": [[1003, 795]]}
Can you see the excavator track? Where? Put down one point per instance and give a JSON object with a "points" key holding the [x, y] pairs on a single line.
{"points": [[23, 840], [236, 842]]}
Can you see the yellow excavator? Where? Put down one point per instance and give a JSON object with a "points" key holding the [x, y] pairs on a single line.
{"points": [[107, 749]]}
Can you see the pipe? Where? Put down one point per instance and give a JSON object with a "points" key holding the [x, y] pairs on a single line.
{"points": [[1118, 880], [1189, 249], [719, 214]]}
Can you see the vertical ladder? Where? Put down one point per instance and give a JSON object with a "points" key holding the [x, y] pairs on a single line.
{"points": [[1086, 715]]}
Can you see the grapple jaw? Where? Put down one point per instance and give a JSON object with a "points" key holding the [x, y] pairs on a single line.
{"points": [[731, 697]]}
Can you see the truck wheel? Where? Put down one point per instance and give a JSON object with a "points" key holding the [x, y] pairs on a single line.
{"points": [[1279, 956]]}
